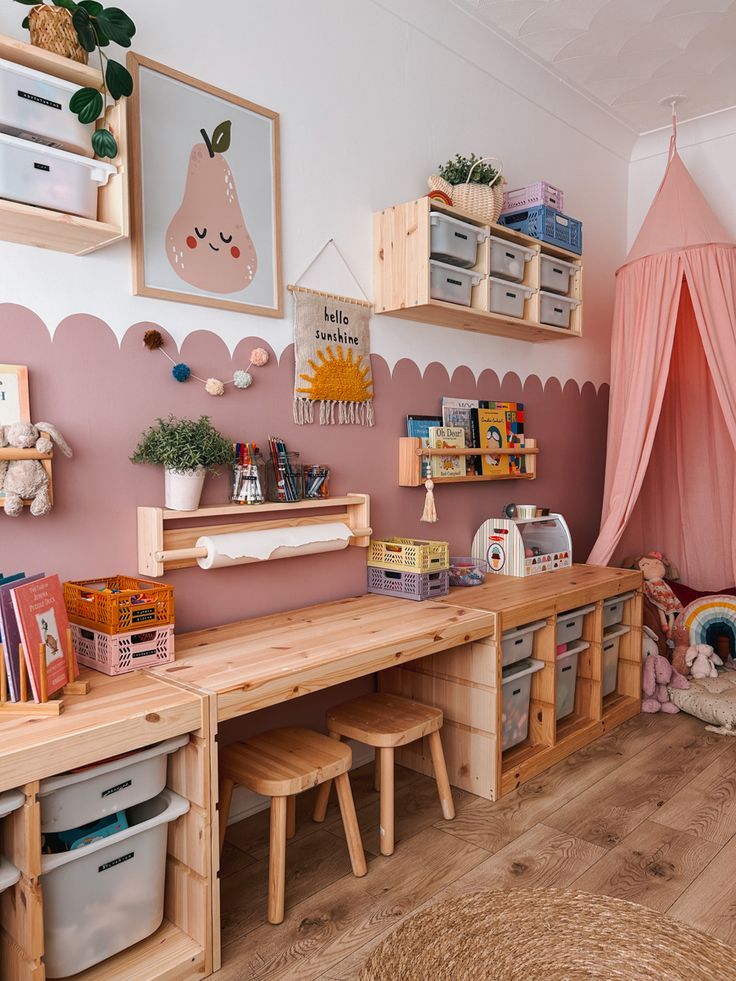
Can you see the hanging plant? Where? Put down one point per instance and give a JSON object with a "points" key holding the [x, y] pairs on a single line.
{"points": [[96, 27]]}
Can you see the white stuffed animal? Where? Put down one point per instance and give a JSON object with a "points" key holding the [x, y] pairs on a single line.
{"points": [[702, 661], [26, 479]]}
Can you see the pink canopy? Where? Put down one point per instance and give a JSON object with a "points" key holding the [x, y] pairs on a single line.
{"points": [[670, 466]]}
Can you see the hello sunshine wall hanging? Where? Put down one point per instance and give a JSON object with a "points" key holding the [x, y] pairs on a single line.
{"points": [[332, 350]]}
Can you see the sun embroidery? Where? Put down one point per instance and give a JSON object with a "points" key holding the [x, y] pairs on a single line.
{"points": [[339, 379]]}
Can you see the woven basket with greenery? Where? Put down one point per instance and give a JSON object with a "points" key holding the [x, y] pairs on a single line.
{"points": [[52, 29], [472, 185]]}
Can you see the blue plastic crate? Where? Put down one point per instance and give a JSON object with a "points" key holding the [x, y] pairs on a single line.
{"points": [[547, 225]]}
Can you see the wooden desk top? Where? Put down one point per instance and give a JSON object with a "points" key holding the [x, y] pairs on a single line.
{"points": [[521, 600], [254, 663], [119, 714]]}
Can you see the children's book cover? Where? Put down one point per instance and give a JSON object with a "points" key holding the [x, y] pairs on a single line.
{"points": [[10, 631], [492, 425], [41, 615], [418, 426], [447, 438], [459, 412], [514, 433]]}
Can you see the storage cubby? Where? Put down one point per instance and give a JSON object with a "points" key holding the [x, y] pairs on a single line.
{"points": [[402, 275]]}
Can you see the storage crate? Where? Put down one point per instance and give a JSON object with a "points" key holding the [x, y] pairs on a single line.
{"points": [[509, 260], [72, 800], [454, 241], [135, 604], [408, 585], [451, 283], [570, 624], [518, 644], [409, 554], [120, 653], [611, 641], [548, 225], [556, 310], [507, 298], [533, 194], [516, 685], [10, 801], [108, 895], [556, 274], [613, 609], [567, 674]]}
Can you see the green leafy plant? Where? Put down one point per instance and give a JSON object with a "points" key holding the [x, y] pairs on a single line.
{"points": [[457, 171], [96, 27], [184, 444]]}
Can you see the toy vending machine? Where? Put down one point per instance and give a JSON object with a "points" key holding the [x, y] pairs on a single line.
{"points": [[523, 546]]}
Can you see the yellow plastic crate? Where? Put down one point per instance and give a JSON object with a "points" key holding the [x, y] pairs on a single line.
{"points": [[409, 554]]}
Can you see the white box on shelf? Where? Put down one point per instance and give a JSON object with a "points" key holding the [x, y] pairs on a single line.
{"points": [[555, 274], [47, 178], [516, 686], [454, 241], [518, 644], [508, 298], [451, 283], [35, 106], [509, 260], [555, 310]]}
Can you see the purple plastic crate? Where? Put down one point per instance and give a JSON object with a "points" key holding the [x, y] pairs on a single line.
{"points": [[408, 585], [527, 197]]}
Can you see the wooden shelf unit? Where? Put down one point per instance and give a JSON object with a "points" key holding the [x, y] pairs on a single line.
{"points": [[411, 454], [55, 230], [402, 276], [11, 453], [466, 682]]}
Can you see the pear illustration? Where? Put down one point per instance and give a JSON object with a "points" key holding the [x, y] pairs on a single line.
{"points": [[207, 242]]}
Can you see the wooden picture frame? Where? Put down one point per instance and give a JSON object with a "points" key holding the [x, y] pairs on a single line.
{"points": [[15, 403], [173, 249]]}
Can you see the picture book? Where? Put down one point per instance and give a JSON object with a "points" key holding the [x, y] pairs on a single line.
{"points": [[418, 426], [492, 425], [41, 615], [447, 438], [459, 412], [12, 689], [11, 632], [514, 433]]}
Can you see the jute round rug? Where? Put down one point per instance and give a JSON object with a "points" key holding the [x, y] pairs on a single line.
{"points": [[547, 935]]}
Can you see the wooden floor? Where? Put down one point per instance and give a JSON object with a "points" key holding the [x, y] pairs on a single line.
{"points": [[647, 813]]}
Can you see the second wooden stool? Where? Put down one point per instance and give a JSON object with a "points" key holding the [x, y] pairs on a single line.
{"points": [[280, 764], [385, 722]]}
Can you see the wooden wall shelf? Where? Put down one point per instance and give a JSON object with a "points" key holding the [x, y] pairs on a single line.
{"points": [[411, 454], [46, 229], [402, 276], [162, 549]]}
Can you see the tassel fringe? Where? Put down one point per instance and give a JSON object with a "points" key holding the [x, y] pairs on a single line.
{"points": [[332, 412], [429, 513]]}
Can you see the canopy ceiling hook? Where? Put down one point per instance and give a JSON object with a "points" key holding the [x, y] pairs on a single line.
{"points": [[673, 101]]}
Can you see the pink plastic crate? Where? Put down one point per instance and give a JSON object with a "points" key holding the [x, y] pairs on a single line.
{"points": [[120, 653], [539, 193]]}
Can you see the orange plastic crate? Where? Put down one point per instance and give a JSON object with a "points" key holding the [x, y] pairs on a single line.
{"points": [[119, 604]]}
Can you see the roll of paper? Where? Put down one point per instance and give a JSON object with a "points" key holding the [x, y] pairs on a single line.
{"points": [[237, 548]]}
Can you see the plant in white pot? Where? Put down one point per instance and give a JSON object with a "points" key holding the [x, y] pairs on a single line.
{"points": [[188, 450]]}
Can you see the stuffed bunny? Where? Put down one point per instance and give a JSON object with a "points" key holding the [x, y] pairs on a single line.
{"points": [[26, 479], [702, 661], [658, 674]]}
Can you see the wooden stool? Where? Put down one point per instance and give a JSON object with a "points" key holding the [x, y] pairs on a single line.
{"points": [[386, 721], [280, 764]]}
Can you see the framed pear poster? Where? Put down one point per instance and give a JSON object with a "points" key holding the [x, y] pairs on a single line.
{"points": [[205, 193]]}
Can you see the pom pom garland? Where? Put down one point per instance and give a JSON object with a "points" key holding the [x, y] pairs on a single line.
{"points": [[213, 386], [181, 372], [154, 341], [242, 379], [258, 357]]}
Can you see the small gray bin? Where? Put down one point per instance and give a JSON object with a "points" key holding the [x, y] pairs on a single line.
{"points": [[613, 609], [570, 624], [555, 310], [451, 283], [555, 275], [611, 641], [518, 644], [508, 260], [567, 673], [507, 298], [11, 800], [454, 241], [516, 682]]}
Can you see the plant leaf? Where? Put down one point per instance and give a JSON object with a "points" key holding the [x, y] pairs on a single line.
{"points": [[92, 7], [119, 80], [221, 137], [66, 4], [25, 23], [102, 39], [103, 143], [83, 27], [28, 3], [87, 103], [117, 26]]}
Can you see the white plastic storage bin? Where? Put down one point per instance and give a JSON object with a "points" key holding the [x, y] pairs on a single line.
{"points": [[555, 310], [35, 106], [567, 672], [454, 241], [508, 260], [107, 896], [10, 801], [555, 275], [613, 609], [507, 298], [518, 644], [49, 178], [517, 689], [611, 641], [570, 624], [451, 283], [73, 799]]}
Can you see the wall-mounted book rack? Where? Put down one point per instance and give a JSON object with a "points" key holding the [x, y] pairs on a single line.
{"points": [[411, 454]]}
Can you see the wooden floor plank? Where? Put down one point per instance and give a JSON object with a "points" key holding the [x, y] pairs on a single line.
{"points": [[707, 805], [710, 902], [651, 866]]}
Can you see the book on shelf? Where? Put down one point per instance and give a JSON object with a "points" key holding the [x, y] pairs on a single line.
{"points": [[418, 426], [42, 620], [447, 438], [492, 426], [459, 412], [10, 631]]}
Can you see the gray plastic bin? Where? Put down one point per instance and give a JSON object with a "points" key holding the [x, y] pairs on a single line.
{"points": [[555, 275], [613, 609], [517, 688], [507, 298], [567, 673], [454, 241], [10, 801], [611, 641], [509, 260], [451, 283], [555, 310], [518, 644], [570, 624]]}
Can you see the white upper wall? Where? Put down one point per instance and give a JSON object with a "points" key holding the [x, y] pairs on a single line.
{"points": [[373, 94]]}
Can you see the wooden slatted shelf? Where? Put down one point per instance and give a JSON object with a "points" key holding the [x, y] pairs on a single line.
{"points": [[411, 453]]}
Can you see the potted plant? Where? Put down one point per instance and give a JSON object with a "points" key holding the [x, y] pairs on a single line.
{"points": [[73, 29], [472, 184], [188, 449]]}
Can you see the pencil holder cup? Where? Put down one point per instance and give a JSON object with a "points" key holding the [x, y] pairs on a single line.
{"points": [[249, 481], [285, 479], [316, 481]]}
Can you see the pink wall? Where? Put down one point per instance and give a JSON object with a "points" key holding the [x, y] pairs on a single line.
{"points": [[102, 396]]}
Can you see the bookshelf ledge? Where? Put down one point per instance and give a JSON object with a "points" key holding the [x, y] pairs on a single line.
{"points": [[411, 453]]}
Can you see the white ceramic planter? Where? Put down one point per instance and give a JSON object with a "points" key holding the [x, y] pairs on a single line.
{"points": [[184, 488]]}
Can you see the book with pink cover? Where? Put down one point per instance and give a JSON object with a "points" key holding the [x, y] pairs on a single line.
{"points": [[10, 632], [41, 615]]}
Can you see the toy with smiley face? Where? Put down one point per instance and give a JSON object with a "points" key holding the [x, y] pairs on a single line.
{"points": [[207, 242]]}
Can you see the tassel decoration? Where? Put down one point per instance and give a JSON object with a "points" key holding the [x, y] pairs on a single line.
{"points": [[429, 513]]}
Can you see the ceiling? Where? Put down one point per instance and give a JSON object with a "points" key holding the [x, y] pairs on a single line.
{"points": [[627, 54]]}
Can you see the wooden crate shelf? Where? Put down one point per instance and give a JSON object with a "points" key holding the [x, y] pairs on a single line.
{"points": [[411, 454], [402, 276], [47, 229]]}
